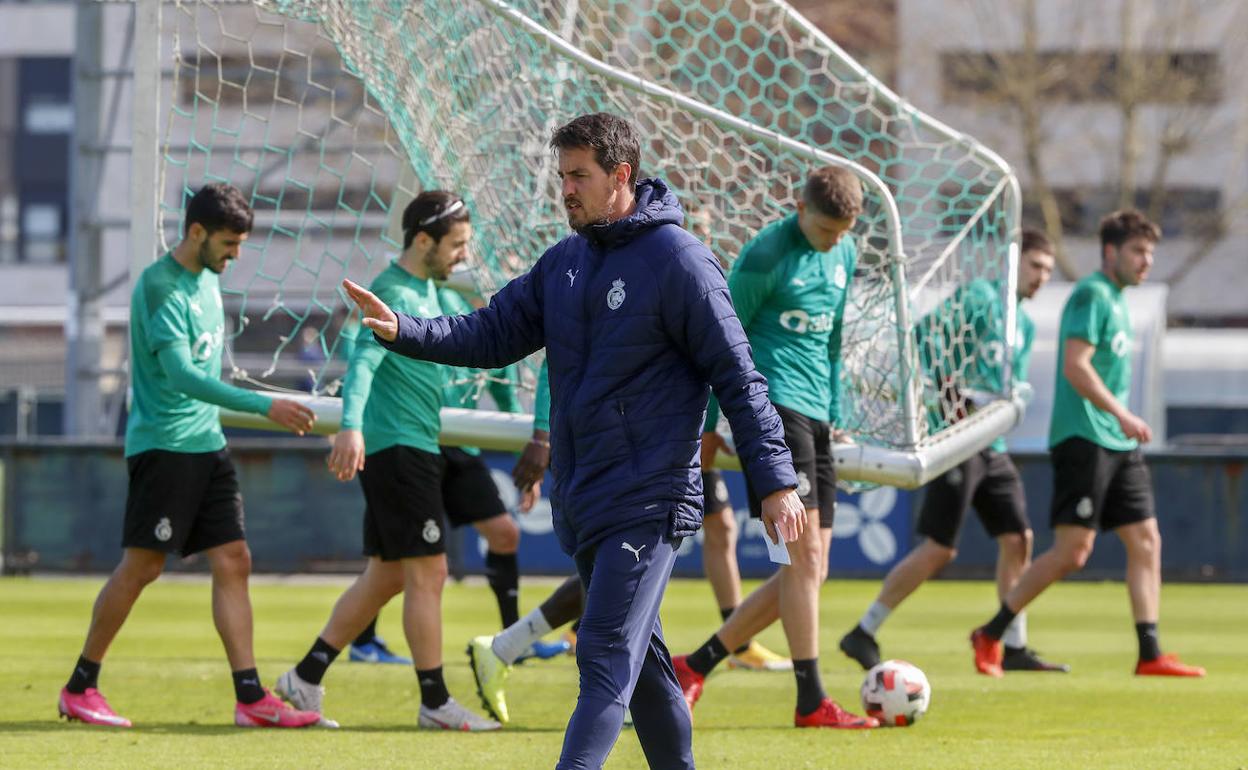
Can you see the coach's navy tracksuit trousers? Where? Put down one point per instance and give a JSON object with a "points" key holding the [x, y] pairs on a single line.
{"points": [[621, 654]]}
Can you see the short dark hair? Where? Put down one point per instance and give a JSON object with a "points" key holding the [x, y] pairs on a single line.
{"points": [[834, 192], [432, 212], [1123, 225], [219, 206], [612, 138], [1036, 240]]}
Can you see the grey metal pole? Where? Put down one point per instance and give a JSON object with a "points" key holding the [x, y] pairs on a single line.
{"points": [[84, 320]]}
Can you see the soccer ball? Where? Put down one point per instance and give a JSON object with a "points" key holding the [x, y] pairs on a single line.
{"points": [[896, 693]]}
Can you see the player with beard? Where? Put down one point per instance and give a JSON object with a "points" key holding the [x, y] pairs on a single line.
{"points": [[1100, 481], [183, 495], [391, 418]]}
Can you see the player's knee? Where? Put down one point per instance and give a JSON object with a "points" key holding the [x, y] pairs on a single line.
{"points": [[233, 561], [502, 535], [426, 575], [1147, 543], [141, 571], [508, 537], [936, 555], [1015, 546], [807, 559], [389, 581], [1076, 557], [717, 533]]}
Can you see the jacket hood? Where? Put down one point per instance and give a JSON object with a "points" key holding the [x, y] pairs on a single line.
{"points": [[656, 205]]}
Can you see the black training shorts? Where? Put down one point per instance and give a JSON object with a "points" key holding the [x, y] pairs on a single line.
{"points": [[810, 443], [182, 502], [469, 493], [1098, 487], [714, 493], [989, 483], [403, 515]]}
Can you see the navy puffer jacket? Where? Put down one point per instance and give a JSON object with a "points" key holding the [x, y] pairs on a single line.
{"points": [[636, 320]]}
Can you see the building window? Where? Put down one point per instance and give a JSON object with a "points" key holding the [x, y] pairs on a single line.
{"points": [[1190, 212], [36, 125], [1093, 75]]}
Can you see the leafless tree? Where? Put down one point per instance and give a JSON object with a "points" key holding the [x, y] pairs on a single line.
{"points": [[1158, 64]]}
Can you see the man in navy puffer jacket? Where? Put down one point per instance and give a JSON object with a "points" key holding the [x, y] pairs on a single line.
{"points": [[636, 320]]}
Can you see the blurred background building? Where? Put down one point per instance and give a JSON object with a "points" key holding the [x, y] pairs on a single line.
{"points": [[1096, 105]]}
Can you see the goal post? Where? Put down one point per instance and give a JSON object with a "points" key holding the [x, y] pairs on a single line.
{"points": [[329, 115]]}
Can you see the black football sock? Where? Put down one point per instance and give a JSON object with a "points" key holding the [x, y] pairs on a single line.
{"points": [[367, 635], [86, 674], [724, 612], [503, 575], [433, 693], [996, 627], [1150, 643], [314, 665], [708, 656], [809, 686], [247, 686]]}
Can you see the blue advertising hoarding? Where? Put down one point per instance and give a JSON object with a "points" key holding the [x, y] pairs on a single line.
{"points": [[871, 532]]}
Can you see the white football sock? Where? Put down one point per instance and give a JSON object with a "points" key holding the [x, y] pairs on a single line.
{"points": [[1016, 631], [874, 618], [512, 641]]}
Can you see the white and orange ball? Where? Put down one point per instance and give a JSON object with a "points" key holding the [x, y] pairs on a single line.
{"points": [[896, 692]]}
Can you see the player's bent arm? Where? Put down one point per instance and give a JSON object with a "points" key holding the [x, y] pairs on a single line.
{"points": [[541, 401], [358, 381], [535, 458], [1078, 371], [533, 462], [503, 332], [347, 455], [185, 377], [834, 359]]}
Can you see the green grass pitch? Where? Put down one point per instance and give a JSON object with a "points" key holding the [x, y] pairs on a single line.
{"points": [[168, 674]]}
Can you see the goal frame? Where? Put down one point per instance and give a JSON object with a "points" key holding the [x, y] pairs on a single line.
{"points": [[913, 464]]}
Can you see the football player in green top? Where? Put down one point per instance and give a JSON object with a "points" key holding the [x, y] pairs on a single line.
{"points": [[988, 480], [391, 417], [470, 496], [789, 287], [1100, 480], [183, 494]]}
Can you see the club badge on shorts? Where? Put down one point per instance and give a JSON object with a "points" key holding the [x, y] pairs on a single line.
{"points": [[803, 484], [164, 530], [615, 297], [431, 533]]}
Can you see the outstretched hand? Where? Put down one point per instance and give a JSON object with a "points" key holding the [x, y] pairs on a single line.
{"points": [[374, 313]]}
